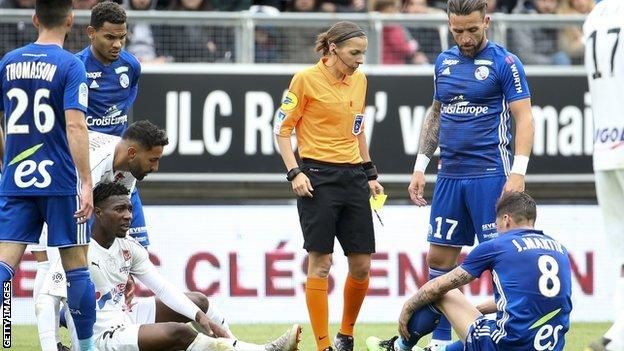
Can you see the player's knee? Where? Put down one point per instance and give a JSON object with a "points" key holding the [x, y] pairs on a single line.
{"points": [[438, 261], [200, 300], [320, 267], [181, 335]]}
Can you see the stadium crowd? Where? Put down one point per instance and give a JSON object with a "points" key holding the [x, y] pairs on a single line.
{"points": [[152, 43]]}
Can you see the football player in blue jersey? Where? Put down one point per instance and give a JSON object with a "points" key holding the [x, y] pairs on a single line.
{"points": [[113, 80], [46, 174], [478, 86], [532, 289]]}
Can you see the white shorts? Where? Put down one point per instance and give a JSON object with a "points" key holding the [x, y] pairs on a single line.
{"points": [[125, 337], [143, 310], [610, 193]]}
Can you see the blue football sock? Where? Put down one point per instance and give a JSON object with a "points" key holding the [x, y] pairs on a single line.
{"points": [[6, 272], [422, 322], [81, 302], [443, 331], [456, 346], [62, 319]]}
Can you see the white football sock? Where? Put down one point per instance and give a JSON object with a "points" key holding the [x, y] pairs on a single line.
{"points": [[215, 315], [616, 332], [42, 271], [205, 343], [46, 310]]}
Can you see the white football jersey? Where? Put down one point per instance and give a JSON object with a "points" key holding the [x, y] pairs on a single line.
{"points": [[101, 155], [109, 269], [603, 32]]}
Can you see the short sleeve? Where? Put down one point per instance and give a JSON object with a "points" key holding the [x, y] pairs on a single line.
{"points": [[480, 259], [76, 95], [141, 263], [292, 107], [513, 79], [436, 97]]}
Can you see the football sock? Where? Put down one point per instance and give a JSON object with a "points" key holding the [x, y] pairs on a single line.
{"points": [[422, 322], [42, 270], [6, 271], [354, 293], [443, 331], [81, 302], [217, 317], [455, 346], [316, 299], [203, 343], [616, 332], [46, 307]]}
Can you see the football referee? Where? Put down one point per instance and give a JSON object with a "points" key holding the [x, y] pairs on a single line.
{"points": [[325, 104]]}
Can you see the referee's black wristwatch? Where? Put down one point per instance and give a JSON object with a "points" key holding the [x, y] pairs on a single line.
{"points": [[370, 170], [290, 175]]}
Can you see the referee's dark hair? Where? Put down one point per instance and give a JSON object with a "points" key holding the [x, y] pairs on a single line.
{"points": [[107, 11], [52, 13], [147, 134], [107, 189], [519, 205], [466, 7]]}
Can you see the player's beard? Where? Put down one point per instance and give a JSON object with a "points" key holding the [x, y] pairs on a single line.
{"points": [[473, 50]]}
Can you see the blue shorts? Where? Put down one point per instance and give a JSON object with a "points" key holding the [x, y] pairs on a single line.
{"points": [[22, 218], [479, 336], [463, 208], [138, 229]]}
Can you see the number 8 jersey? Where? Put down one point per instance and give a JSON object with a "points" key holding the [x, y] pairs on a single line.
{"points": [[532, 288], [38, 83]]}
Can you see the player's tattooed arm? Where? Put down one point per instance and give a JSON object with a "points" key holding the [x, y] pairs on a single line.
{"points": [[429, 136], [434, 289], [431, 292]]}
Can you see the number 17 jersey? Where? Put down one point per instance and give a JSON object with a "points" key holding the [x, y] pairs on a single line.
{"points": [[39, 82]]}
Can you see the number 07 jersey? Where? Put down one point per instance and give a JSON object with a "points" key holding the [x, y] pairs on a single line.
{"points": [[38, 84], [532, 288]]}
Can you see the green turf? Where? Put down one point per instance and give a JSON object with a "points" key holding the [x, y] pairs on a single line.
{"points": [[24, 338]]}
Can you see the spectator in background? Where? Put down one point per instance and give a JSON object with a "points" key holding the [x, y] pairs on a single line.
{"points": [[429, 39], [299, 42], [398, 47], [571, 38], [535, 45], [343, 6], [14, 35], [141, 42], [77, 39], [265, 37], [192, 43]]}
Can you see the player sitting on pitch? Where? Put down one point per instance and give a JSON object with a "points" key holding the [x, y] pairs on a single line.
{"points": [[158, 323], [532, 287]]}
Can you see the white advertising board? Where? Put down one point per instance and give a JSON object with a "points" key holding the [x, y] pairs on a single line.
{"points": [[250, 261]]}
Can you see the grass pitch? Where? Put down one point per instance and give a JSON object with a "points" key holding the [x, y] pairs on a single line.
{"points": [[24, 338]]}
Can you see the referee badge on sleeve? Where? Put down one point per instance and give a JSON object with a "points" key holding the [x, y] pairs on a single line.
{"points": [[358, 123]]}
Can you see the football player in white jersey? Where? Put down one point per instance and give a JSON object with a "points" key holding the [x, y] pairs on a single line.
{"points": [[112, 159], [603, 32], [113, 256]]}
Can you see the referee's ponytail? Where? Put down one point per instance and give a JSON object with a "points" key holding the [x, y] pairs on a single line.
{"points": [[337, 34]]}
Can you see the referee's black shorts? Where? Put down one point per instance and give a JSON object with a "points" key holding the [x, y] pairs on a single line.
{"points": [[339, 208]]}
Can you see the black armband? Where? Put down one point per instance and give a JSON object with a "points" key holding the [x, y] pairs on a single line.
{"points": [[370, 170], [290, 175]]}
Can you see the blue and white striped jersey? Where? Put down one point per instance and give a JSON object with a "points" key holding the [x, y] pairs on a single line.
{"points": [[532, 288], [475, 125]]}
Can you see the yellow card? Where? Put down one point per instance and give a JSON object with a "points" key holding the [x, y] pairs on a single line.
{"points": [[378, 202]]}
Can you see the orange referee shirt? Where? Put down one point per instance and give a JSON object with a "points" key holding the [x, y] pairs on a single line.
{"points": [[326, 112]]}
